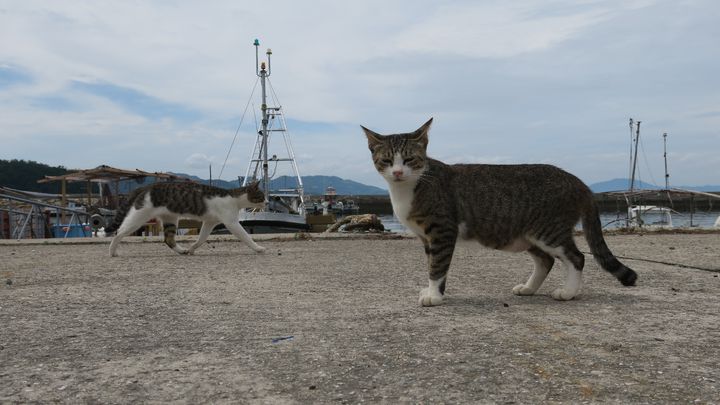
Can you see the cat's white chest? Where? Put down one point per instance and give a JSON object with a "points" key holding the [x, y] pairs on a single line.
{"points": [[401, 197]]}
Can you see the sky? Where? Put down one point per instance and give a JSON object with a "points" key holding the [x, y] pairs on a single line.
{"points": [[162, 85]]}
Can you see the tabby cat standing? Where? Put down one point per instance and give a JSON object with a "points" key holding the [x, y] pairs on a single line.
{"points": [[516, 208]]}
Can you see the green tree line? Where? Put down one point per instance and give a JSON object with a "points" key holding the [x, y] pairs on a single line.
{"points": [[24, 174]]}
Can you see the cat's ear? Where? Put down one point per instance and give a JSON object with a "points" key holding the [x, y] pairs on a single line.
{"points": [[374, 139], [421, 134]]}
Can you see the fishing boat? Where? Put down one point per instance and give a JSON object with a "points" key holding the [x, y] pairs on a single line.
{"points": [[284, 209], [650, 216], [331, 203], [646, 216]]}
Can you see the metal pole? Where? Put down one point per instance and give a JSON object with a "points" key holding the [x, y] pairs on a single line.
{"points": [[64, 203], [630, 156], [264, 147], [667, 176], [263, 74], [637, 139], [692, 208]]}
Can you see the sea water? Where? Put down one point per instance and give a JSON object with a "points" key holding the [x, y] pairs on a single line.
{"points": [[700, 219]]}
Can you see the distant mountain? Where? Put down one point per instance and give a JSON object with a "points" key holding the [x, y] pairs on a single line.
{"points": [[316, 185], [215, 182], [619, 185], [622, 184], [313, 185], [23, 175], [699, 188]]}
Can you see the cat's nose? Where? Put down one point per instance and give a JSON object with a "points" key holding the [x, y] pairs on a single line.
{"points": [[397, 173]]}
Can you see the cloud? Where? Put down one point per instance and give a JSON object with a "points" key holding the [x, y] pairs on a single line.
{"points": [[162, 85], [494, 29], [137, 102], [199, 161], [52, 102]]}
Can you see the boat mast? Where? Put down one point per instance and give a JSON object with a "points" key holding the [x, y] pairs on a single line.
{"points": [[667, 175], [634, 163], [263, 74], [630, 156]]}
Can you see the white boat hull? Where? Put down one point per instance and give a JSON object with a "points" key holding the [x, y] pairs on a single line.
{"points": [[272, 222]]}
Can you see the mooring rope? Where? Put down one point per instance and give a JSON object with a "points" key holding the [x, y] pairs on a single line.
{"points": [[238, 128], [683, 266]]}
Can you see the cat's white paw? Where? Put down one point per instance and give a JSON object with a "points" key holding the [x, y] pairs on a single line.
{"points": [[430, 297], [561, 294], [259, 249], [522, 289]]}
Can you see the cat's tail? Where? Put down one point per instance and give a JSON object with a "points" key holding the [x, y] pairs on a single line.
{"points": [[600, 251], [122, 212]]}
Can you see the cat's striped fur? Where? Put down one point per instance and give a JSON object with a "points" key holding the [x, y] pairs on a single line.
{"points": [[531, 208], [168, 202]]}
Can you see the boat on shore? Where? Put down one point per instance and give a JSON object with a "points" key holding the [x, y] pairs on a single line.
{"points": [[284, 209], [651, 216], [331, 204]]}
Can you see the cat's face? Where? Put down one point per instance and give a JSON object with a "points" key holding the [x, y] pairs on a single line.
{"points": [[254, 194], [401, 157]]}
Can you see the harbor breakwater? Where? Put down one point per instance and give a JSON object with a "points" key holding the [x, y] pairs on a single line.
{"points": [[380, 204]]}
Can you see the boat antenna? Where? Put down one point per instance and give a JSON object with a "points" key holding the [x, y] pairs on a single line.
{"points": [[667, 175], [263, 71], [634, 164]]}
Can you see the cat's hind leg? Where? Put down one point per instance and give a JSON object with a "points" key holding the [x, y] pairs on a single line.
{"points": [[573, 261], [236, 229], [133, 220], [205, 230], [169, 231], [543, 264]]}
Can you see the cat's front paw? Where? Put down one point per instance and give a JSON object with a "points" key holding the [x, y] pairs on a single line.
{"points": [[522, 289], [259, 249], [430, 297], [561, 294]]}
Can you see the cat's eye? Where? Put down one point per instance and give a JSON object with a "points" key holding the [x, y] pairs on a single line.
{"points": [[408, 160], [387, 162]]}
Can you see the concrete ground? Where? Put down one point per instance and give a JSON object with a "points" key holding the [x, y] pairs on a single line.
{"points": [[336, 320]]}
